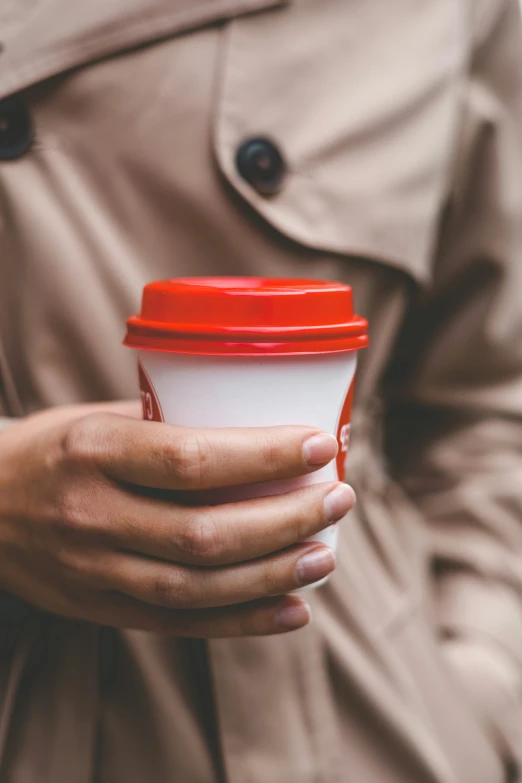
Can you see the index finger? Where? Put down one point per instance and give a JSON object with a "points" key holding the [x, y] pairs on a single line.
{"points": [[163, 456]]}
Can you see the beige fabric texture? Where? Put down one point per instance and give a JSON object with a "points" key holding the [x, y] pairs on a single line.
{"points": [[401, 125]]}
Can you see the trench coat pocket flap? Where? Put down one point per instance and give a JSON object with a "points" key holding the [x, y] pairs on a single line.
{"points": [[363, 119], [42, 38]]}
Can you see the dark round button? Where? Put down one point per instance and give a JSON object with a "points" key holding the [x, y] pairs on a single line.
{"points": [[16, 133], [261, 164]]}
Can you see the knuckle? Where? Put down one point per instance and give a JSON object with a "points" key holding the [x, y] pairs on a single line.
{"points": [[72, 566], [72, 513], [65, 557], [80, 514], [174, 589], [272, 582], [186, 459], [295, 517], [274, 454], [83, 439], [304, 513], [307, 518], [301, 524], [201, 539]]}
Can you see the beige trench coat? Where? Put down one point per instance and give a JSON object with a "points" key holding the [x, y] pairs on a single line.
{"points": [[400, 123]]}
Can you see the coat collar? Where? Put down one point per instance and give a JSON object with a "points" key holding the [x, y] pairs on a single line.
{"points": [[47, 37]]}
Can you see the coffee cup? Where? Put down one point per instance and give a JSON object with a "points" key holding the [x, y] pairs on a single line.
{"points": [[251, 352]]}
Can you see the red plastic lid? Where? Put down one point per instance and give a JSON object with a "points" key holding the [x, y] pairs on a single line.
{"points": [[246, 316]]}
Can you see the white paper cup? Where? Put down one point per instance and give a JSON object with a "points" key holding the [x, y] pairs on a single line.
{"points": [[248, 352]]}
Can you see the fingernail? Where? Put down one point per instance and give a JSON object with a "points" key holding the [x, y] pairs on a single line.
{"points": [[338, 502], [294, 615], [315, 565], [320, 449]]}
